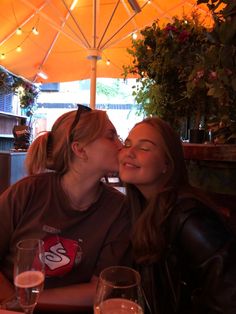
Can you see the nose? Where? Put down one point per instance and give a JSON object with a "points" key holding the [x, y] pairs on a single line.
{"points": [[129, 152]]}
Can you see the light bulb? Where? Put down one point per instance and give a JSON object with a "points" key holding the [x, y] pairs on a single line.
{"points": [[42, 74], [35, 31], [18, 49], [108, 62], [3, 56], [18, 31], [134, 36]]}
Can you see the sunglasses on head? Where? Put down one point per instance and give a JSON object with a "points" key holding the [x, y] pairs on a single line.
{"points": [[81, 109]]}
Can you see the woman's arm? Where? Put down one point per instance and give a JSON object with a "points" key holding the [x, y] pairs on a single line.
{"points": [[209, 251], [76, 297]]}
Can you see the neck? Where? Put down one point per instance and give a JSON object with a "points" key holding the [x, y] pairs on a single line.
{"points": [[81, 195], [151, 191]]}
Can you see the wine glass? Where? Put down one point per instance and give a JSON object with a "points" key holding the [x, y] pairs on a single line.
{"points": [[119, 292], [29, 273]]}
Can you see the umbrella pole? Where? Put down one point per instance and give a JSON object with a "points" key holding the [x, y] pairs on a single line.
{"points": [[93, 81], [94, 55]]}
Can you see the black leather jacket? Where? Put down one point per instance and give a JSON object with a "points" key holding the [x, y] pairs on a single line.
{"points": [[198, 272]]}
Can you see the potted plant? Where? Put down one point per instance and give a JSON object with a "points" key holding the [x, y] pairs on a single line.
{"points": [[164, 59]]}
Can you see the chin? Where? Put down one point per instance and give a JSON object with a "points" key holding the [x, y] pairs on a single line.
{"points": [[128, 179]]}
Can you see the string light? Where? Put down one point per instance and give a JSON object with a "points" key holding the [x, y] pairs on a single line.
{"points": [[35, 31], [18, 49], [19, 31], [134, 35], [108, 62]]}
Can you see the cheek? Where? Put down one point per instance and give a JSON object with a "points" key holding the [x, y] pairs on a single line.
{"points": [[149, 166], [109, 154], [152, 169], [152, 175]]}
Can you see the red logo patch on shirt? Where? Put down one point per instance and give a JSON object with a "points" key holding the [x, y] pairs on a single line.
{"points": [[60, 255]]}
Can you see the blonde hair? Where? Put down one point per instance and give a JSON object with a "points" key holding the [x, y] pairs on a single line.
{"points": [[52, 150]]}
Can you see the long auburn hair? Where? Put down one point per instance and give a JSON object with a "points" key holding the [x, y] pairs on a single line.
{"points": [[148, 238], [52, 149]]}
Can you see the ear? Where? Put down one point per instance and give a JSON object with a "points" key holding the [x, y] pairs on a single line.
{"points": [[79, 151]]}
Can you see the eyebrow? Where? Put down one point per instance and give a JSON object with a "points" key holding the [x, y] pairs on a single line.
{"points": [[144, 140]]}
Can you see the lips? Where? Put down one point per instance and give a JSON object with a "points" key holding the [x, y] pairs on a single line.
{"points": [[129, 165]]}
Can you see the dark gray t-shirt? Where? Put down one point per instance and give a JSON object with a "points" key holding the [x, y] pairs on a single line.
{"points": [[79, 244]]}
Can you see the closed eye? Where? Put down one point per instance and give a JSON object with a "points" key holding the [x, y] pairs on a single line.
{"points": [[127, 144], [146, 149]]}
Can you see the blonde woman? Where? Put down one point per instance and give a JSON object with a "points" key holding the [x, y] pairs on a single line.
{"points": [[64, 202]]}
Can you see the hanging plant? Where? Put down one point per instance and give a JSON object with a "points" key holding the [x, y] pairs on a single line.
{"points": [[28, 94], [164, 59], [26, 91], [188, 71], [6, 82]]}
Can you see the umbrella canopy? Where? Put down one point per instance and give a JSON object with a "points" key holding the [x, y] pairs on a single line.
{"points": [[66, 40]]}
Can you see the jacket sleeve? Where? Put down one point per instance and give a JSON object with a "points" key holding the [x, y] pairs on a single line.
{"points": [[208, 251]]}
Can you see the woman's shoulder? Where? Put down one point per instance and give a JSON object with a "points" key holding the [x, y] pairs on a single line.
{"points": [[40, 177], [198, 229], [33, 182], [192, 211]]}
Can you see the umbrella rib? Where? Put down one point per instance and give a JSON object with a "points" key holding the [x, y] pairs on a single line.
{"points": [[167, 12], [105, 45], [84, 44], [53, 42], [94, 22], [77, 25], [54, 25], [108, 24], [108, 43]]}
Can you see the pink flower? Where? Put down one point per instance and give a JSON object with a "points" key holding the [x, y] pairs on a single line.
{"points": [[170, 27], [200, 74], [183, 36], [213, 75]]}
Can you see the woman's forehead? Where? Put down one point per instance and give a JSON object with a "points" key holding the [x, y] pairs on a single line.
{"points": [[144, 130]]}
